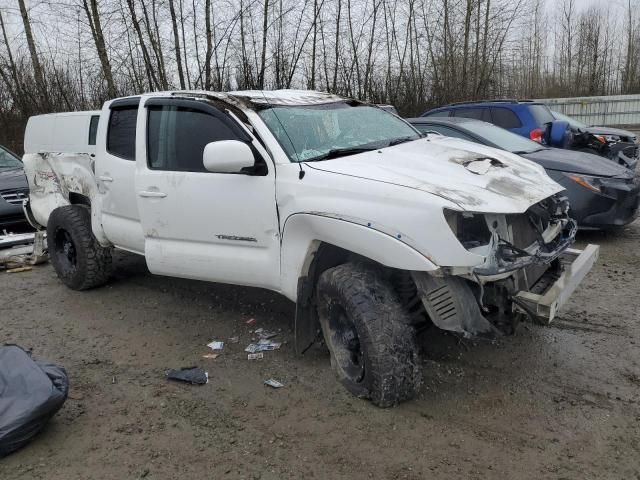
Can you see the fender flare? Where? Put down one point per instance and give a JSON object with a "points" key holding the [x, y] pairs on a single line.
{"points": [[302, 234]]}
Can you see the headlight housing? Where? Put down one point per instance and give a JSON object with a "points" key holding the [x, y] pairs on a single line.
{"points": [[470, 228], [608, 138], [587, 181], [605, 186]]}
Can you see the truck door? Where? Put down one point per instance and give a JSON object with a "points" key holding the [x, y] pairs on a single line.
{"points": [[198, 224], [115, 174]]}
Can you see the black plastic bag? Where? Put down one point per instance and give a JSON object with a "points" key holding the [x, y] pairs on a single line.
{"points": [[193, 375], [30, 394]]}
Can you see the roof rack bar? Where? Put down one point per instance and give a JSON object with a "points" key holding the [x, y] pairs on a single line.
{"points": [[470, 102]]}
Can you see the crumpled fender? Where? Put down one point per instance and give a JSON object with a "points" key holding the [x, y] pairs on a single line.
{"points": [[302, 234], [53, 176]]}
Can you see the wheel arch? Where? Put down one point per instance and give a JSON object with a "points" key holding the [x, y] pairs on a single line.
{"points": [[314, 243]]}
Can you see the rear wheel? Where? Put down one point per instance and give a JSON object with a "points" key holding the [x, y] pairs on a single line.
{"points": [[372, 344], [77, 257]]}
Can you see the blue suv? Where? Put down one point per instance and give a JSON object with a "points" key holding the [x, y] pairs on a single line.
{"points": [[526, 117]]}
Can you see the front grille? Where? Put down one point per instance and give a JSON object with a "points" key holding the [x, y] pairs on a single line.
{"points": [[14, 197]]}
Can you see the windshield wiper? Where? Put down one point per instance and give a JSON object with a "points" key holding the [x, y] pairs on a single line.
{"points": [[340, 152], [398, 141]]}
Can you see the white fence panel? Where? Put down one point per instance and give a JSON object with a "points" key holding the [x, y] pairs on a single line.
{"points": [[613, 110]]}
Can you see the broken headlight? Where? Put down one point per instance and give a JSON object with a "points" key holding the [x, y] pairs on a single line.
{"points": [[470, 228]]}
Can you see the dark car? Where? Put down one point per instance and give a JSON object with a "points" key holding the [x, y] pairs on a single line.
{"points": [[614, 143], [602, 194], [525, 117], [13, 190]]}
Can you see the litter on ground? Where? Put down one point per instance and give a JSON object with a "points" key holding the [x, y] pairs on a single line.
{"points": [[215, 345], [265, 334], [19, 269], [255, 356], [273, 383], [193, 375], [262, 346], [211, 356]]}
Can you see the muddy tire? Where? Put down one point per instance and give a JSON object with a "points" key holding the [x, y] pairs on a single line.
{"points": [[77, 257], [370, 339]]}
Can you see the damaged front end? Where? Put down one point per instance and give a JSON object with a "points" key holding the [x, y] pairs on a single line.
{"points": [[528, 268]]}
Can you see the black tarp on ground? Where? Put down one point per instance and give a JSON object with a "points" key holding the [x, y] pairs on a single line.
{"points": [[30, 394]]}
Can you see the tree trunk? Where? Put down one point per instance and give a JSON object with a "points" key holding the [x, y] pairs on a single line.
{"points": [[209, 51], [176, 40], [153, 79], [35, 61], [93, 16], [337, 47], [263, 56]]}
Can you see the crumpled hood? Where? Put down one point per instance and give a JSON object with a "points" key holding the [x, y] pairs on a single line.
{"points": [[475, 177], [611, 131], [572, 161]]}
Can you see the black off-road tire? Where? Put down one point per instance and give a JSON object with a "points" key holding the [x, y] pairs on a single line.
{"points": [[372, 344], [77, 257]]}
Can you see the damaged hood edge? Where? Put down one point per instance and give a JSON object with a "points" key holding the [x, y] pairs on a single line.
{"points": [[474, 177]]}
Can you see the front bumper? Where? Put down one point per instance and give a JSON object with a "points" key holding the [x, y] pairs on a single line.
{"points": [[11, 215], [616, 206], [543, 306]]}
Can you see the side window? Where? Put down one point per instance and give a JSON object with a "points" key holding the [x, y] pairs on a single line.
{"points": [[121, 134], [93, 129], [505, 118], [176, 137], [450, 132], [475, 113]]}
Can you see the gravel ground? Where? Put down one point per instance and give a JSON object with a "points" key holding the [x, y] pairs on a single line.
{"points": [[559, 402]]}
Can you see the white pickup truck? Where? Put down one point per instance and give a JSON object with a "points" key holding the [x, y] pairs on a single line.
{"points": [[344, 208]]}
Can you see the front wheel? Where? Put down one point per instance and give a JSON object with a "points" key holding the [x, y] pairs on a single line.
{"points": [[370, 339], [77, 257]]}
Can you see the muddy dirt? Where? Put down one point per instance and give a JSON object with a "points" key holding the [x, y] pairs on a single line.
{"points": [[557, 402]]}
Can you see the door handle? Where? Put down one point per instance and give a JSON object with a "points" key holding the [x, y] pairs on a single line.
{"points": [[105, 178], [148, 194]]}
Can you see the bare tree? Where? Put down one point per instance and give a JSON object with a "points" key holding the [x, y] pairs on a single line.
{"points": [[176, 41], [93, 16], [35, 61]]}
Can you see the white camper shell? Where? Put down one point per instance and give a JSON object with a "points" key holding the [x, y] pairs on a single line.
{"points": [[68, 133]]}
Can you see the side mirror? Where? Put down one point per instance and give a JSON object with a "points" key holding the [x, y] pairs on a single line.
{"points": [[558, 134], [227, 156]]}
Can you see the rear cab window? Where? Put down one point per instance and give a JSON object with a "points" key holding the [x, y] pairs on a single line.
{"points": [[121, 132], [93, 129]]}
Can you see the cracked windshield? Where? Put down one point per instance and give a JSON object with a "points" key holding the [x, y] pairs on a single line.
{"points": [[321, 132]]}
